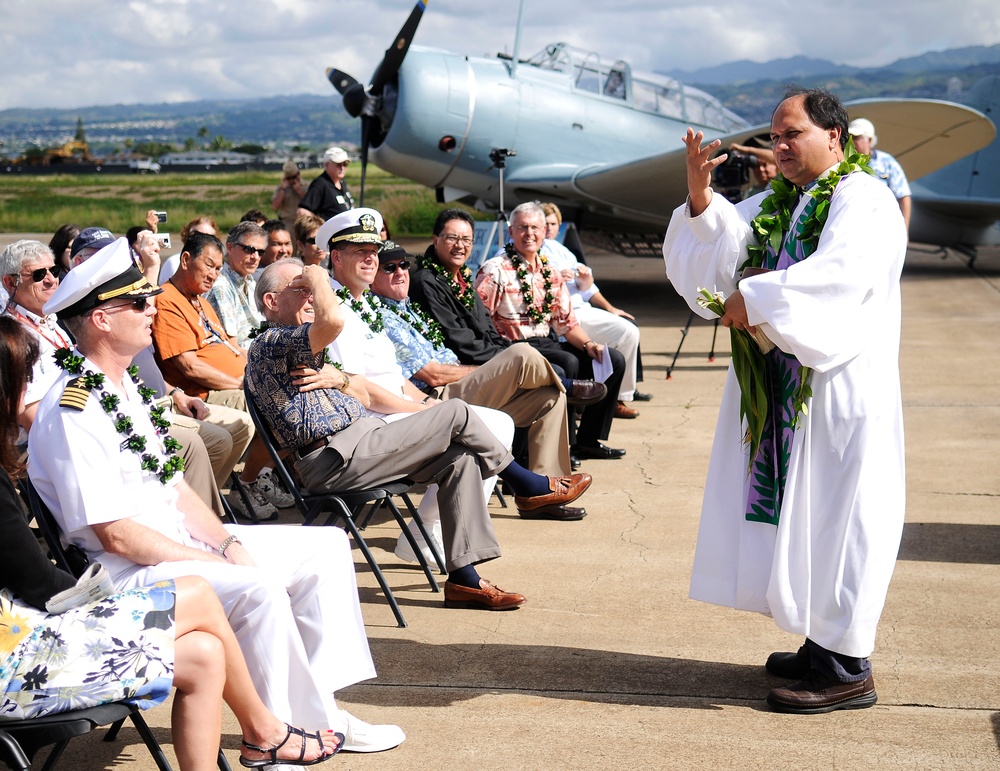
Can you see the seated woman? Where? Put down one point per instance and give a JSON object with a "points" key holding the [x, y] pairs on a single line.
{"points": [[131, 646]]}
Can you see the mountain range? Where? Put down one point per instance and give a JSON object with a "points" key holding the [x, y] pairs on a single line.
{"points": [[310, 121]]}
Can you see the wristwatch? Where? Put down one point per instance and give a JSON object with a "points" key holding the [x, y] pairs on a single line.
{"points": [[347, 382], [227, 543]]}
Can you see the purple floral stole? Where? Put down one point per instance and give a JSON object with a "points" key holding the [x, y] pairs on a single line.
{"points": [[770, 468]]}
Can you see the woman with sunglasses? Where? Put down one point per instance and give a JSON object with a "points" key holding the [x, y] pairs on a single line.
{"points": [[30, 276], [132, 646]]}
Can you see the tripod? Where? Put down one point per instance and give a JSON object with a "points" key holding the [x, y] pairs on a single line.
{"points": [[499, 157]]}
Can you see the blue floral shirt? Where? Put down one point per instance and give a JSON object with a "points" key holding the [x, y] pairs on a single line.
{"points": [[297, 419], [413, 350], [889, 171]]}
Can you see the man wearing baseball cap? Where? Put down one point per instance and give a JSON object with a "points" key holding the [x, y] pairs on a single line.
{"points": [[327, 195], [99, 461], [87, 243], [288, 194], [884, 165]]}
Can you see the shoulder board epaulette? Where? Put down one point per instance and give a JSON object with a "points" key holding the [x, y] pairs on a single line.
{"points": [[75, 395]]}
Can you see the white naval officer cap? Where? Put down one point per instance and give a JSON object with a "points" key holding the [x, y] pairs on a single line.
{"points": [[111, 273], [359, 226]]}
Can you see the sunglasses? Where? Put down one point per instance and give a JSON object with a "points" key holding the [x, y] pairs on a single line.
{"points": [[311, 241], [252, 249], [39, 273], [390, 267], [138, 305]]}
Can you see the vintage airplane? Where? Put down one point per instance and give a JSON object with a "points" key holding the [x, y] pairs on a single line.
{"points": [[600, 140]]}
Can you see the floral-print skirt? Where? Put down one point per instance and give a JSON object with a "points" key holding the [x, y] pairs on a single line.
{"points": [[120, 648]]}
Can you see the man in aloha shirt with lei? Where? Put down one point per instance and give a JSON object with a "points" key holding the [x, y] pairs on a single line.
{"points": [[529, 301], [810, 534]]}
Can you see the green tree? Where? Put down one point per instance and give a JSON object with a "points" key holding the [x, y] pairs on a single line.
{"points": [[80, 136], [219, 142]]}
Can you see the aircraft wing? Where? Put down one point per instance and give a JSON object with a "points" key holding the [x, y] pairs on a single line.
{"points": [[923, 134]]}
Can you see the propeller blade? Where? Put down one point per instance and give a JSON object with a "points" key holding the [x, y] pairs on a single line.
{"points": [[395, 54], [340, 80]]}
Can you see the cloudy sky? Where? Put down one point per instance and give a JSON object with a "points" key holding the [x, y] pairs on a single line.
{"points": [[67, 53]]}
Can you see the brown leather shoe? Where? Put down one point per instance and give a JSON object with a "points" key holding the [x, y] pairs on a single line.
{"points": [[564, 490], [586, 392], [815, 694], [558, 513], [487, 597], [623, 411]]}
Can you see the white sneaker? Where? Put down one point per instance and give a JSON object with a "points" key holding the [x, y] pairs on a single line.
{"points": [[266, 486], [405, 553], [360, 736], [262, 509]]}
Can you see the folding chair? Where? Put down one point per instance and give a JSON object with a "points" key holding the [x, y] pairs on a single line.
{"points": [[58, 729], [344, 506]]}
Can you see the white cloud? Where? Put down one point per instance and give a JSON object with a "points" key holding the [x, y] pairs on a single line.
{"points": [[58, 53]]}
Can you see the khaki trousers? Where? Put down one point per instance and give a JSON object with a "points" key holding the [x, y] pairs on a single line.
{"points": [[523, 384]]}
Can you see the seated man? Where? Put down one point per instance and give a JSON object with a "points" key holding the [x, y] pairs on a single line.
{"points": [[99, 462], [602, 321], [197, 355], [364, 348], [231, 294], [336, 446], [518, 381], [528, 301]]}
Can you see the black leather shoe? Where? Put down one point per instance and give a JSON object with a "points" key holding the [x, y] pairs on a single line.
{"points": [[816, 694], [574, 462], [794, 666], [598, 452], [559, 513], [642, 397], [585, 392]]}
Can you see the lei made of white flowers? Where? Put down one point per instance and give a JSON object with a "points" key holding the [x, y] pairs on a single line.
{"points": [[538, 315]]}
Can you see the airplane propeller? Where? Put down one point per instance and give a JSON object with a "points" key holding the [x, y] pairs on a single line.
{"points": [[369, 103]]}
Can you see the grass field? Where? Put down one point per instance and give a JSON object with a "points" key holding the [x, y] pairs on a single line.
{"points": [[41, 204]]}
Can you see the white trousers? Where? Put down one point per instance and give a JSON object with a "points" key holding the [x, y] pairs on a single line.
{"points": [[618, 333], [296, 616]]}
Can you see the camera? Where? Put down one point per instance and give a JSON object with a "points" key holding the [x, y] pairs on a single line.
{"points": [[731, 176], [164, 239], [161, 216]]}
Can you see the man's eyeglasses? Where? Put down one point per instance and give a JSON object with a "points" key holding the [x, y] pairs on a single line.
{"points": [[390, 267], [39, 273], [252, 249], [453, 239]]}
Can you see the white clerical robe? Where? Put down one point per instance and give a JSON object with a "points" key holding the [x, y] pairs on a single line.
{"points": [[824, 570]]}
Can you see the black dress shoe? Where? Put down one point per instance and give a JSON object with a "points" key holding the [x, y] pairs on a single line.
{"points": [[794, 666], [562, 513], [642, 397], [597, 451], [816, 694], [585, 392], [574, 462]]}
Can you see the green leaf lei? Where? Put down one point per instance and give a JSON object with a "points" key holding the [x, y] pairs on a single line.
{"points": [[538, 315], [467, 295], [94, 381], [769, 228], [367, 307], [412, 313]]}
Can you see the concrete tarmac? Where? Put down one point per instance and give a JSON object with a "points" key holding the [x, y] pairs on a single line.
{"points": [[610, 665]]}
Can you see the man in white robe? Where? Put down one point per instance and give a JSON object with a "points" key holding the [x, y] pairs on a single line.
{"points": [[822, 569]]}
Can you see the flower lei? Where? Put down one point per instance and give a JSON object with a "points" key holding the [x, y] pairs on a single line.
{"points": [[367, 307], [414, 315], [94, 382], [466, 295], [769, 228], [538, 315]]}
